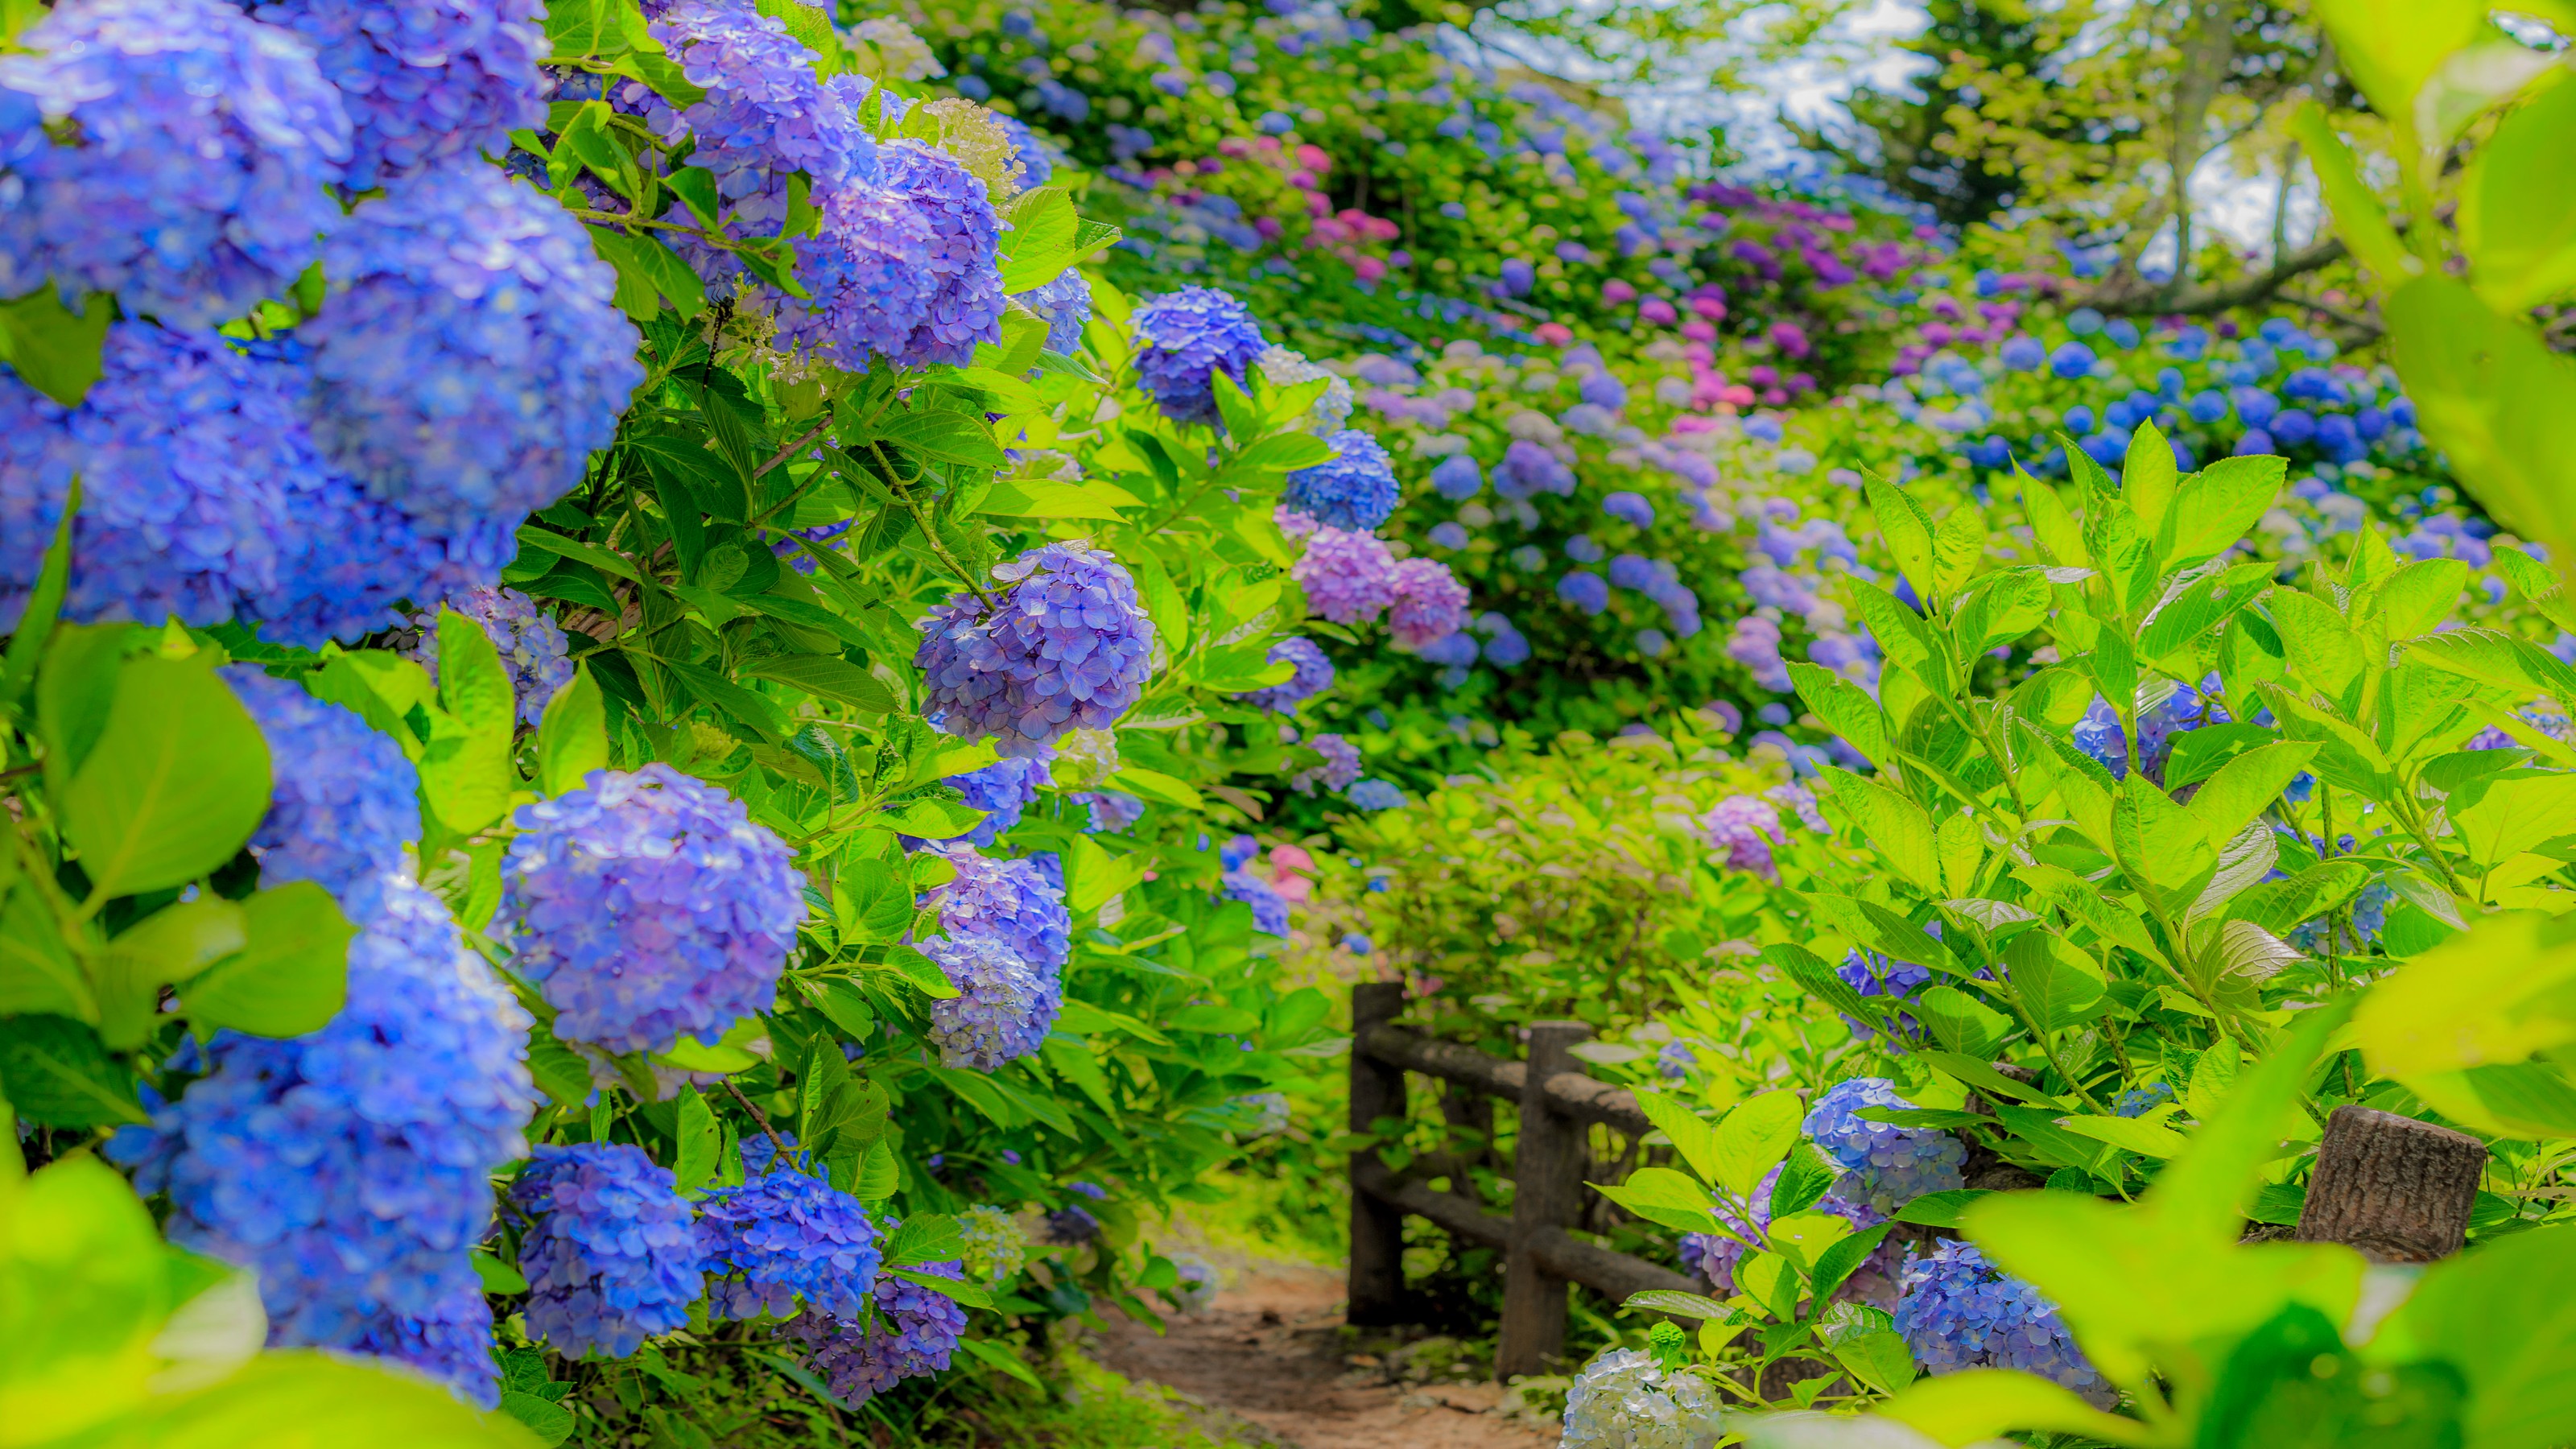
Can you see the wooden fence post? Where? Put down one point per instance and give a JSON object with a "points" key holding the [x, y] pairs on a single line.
{"points": [[1377, 1228], [1546, 1192], [2398, 1189]]}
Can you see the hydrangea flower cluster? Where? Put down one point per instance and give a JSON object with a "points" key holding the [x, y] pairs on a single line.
{"points": [[1065, 306], [2160, 727], [1675, 1061], [2369, 918], [1007, 901], [1003, 790], [1885, 1166], [1269, 912], [991, 1245], [1957, 1310], [1375, 795], [1195, 1288], [1314, 675], [469, 358], [1871, 974], [610, 1254], [1184, 339], [1349, 578], [1071, 1226], [1625, 1400], [1745, 827], [1355, 489], [1341, 766], [197, 184], [423, 80], [904, 266], [531, 643], [1067, 646], [1286, 367], [344, 804], [647, 906], [1004, 1006], [915, 1331], [783, 1235], [351, 1167], [1429, 603]]}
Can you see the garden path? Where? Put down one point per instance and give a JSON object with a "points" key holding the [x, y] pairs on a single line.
{"points": [[1269, 1354]]}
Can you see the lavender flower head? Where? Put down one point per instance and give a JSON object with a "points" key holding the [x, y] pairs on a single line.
{"points": [[190, 178], [1871, 974], [2160, 727], [1885, 1166], [351, 1167], [1314, 675], [344, 804], [904, 267], [647, 906], [1355, 489], [1957, 1310], [1349, 578], [1624, 1400], [1269, 912], [1341, 766], [1194, 1288], [1067, 647], [991, 1245], [913, 1335], [611, 1257], [1186, 337], [1064, 305], [1375, 795], [469, 359], [1111, 812], [1429, 603], [531, 644], [1745, 827], [1676, 1061], [1003, 790], [1008, 901], [1004, 1006], [783, 1235], [424, 80]]}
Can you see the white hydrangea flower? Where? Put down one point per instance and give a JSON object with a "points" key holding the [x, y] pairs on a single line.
{"points": [[1621, 1400]]}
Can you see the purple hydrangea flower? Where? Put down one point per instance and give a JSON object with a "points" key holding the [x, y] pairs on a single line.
{"points": [[1269, 912], [783, 1235], [903, 267], [1314, 675], [1528, 468], [531, 644], [1755, 644], [1004, 790], [1184, 338], [1870, 974], [1429, 603], [1885, 1166], [1676, 1061], [1004, 1006], [173, 152], [1341, 765], [1457, 478], [1746, 828], [351, 1167], [1071, 1226], [647, 906], [344, 804], [610, 1255], [1065, 306], [2160, 728], [1067, 647], [1957, 1311], [424, 80], [1632, 507], [468, 360], [1112, 812], [912, 1336], [1349, 578], [1355, 490], [1008, 901]]}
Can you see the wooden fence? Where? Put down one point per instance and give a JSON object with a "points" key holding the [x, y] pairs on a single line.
{"points": [[2398, 1189]]}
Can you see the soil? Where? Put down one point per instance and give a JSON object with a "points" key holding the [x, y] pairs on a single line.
{"points": [[1272, 1359]]}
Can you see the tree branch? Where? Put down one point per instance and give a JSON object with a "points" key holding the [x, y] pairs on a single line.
{"points": [[2129, 295]]}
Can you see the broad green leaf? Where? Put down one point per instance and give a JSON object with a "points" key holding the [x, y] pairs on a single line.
{"points": [[2148, 478], [2160, 845], [2535, 1099], [572, 735], [2495, 400], [1841, 1257], [1285, 453], [828, 676], [2391, 48], [1960, 1022], [289, 975], [2517, 222], [2056, 529], [1691, 1137], [1041, 238], [1805, 1177], [90, 1286], [1661, 1195], [1908, 532], [2495, 994], [2419, 597], [2129, 1134], [2500, 816], [2324, 652], [1803, 1238], [303, 1396], [2217, 507], [1679, 1305], [2245, 786], [53, 349], [1890, 823], [2057, 984], [748, 707], [1879, 1359], [2504, 1314], [38, 974], [55, 1071], [1039, 498], [174, 786], [1753, 1138], [941, 437], [1939, 1209], [1977, 1405], [2001, 609], [2493, 657], [700, 1144], [1155, 785], [1958, 548], [466, 774]]}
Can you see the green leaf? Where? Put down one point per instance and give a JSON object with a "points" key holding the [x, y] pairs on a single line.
{"points": [[37, 971], [1879, 1359], [1679, 1305], [2148, 477], [1691, 1136], [1976, 1405], [2243, 787], [1845, 707], [466, 774], [1042, 238], [2516, 220], [1001, 1357], [1908, 531], [2494, 657], [530, 536], [1038, 498], [751, 709], [176, 783], [1155, 785], [2217, 507], [647, 272], [2504, 1314], [35, 628], [700, 1144], [1960, 1022], [2129, 1134], [291, 972], [828, 676], [2502, 815], [53, 349], [942, 437], [572, 735], [2160, 845], [2057, 984], [1661, 1195], [548, 1422], [56, 1072], [1893, 825], [1753, 1138], [2495, 400], [1939, 1209]]}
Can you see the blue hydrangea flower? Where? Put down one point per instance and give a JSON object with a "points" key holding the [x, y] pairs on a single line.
{"points": [[1067, 647], [424, 79], [783, 1235], [352, 1167], [1004, 790], [1065, 305], [469, 359], [904, 266], [1008, 901], [647, 906], [1071, 1226], [914, 1332], [2160, 727], [1585, 590], [1004, 1006], [531, 644], [1957, 1311], [1111, 812], [610, 1254], [345, 803], [1885, 1166], [196, 185], [991, 1245], [1375, 795], [2139, 1101], [1871, 974], [2369, 918], [1457, 478], [1036, 155], [1676, 1061], [1269, 912], [1314, 675], [1355, 489], [1630, 507], [1185, 338]]}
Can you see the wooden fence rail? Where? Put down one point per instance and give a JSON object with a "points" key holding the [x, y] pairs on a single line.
{"points": [[2398, 1189]]}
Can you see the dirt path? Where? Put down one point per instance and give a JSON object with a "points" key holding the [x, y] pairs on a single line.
{"points": [[1269, 1353]]}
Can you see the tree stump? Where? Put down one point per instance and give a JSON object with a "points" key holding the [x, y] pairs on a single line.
{"points": [[2398, 1189]]}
